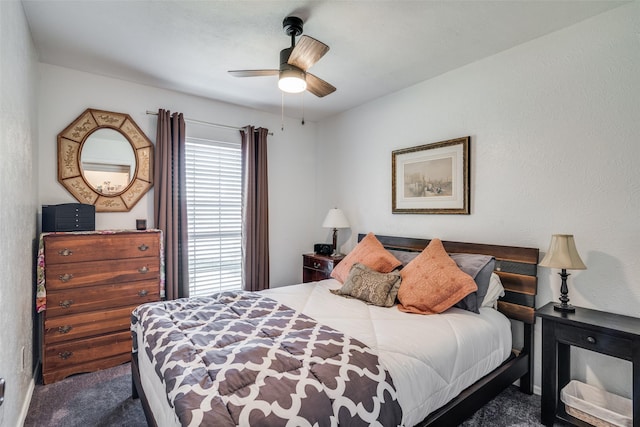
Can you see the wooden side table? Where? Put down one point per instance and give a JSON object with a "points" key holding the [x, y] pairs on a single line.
{"points": [[607, 333], [317, 267]]}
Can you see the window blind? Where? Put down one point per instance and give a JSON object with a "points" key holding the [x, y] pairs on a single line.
{"points": [[214, 211]]}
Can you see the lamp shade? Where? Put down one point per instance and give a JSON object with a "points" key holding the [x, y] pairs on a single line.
{"points": [[563, 254], [335, 219]]}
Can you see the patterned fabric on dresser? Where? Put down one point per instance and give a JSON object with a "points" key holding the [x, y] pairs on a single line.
{"points": [[238, 358]]}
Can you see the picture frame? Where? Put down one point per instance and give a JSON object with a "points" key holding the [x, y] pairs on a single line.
{"points": [[432, 178]]}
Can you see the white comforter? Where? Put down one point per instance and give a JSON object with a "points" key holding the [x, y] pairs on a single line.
{"points": [[431, 358]]}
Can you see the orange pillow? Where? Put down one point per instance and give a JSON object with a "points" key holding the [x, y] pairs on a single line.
{"points": [[432, 282], [369, 252]]}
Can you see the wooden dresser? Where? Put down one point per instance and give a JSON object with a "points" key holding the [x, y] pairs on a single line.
{"points": [[93, 282]]}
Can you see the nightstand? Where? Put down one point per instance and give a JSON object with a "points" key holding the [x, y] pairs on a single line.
{"points": [[317, 267], [611, 334]]}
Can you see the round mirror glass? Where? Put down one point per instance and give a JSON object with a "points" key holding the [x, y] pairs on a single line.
{"points": [[108, 161]]}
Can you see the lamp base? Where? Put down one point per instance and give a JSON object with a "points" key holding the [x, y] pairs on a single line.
{"points": [[335, 243], [564, 305], [567, 308]]}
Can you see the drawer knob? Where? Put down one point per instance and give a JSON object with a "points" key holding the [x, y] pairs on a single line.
{"points": [[591, 340], [143, 293], [143, 269], [66, 303], [65, 355], [66, 277], [143, 247], [64, 329], [316, 264], [65, 252]]}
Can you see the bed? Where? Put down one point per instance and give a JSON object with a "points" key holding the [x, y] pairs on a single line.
{"points": [[424, 378]]}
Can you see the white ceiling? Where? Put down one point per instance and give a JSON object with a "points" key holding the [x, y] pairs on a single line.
{"points": [[377, 47]]}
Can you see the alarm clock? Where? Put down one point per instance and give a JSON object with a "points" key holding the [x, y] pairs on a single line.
{"points": [[323, 248]]}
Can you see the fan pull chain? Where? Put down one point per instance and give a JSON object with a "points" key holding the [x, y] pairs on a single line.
{"points": [[302, 108], [282, 112]]}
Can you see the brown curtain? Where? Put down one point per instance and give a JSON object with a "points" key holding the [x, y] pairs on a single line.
{"points": [[170, 203], [255, 212]]}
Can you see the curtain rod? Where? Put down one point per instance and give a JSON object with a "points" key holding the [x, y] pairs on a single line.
{"points": [[201, 122]]}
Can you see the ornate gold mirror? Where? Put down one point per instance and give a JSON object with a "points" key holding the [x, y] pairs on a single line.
{"points": [[104, 159]]}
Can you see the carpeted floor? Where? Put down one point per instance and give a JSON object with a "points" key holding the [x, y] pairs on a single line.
{"points": [[103, 399], [98, 399]]}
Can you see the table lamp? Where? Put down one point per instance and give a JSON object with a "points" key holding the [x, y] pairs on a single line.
{"points": [[563, 254], [335, 219]]}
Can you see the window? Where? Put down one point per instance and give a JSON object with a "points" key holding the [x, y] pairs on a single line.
{"points": [[214, 211]]}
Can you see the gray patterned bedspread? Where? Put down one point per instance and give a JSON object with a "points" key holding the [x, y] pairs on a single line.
{"points": [[238, 358]]}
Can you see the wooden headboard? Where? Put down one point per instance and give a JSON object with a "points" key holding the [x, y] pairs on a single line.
{"points": [[516, 266]]}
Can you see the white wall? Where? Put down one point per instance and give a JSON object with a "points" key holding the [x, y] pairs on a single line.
{"points": [[555, 134], [18, 201], [66, 93]]}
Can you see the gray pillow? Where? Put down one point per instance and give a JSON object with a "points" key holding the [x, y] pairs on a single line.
{"points": [[480, 268], [405, 257], [370, 286]]}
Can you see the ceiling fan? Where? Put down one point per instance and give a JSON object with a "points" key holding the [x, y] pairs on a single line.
{"points": [[294, 63]]}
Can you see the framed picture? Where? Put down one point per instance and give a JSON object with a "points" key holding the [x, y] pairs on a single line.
{"points": [[431, 178]]}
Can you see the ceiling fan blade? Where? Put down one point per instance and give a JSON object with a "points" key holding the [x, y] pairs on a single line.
{"points": [[318, 87], [253, 73], [307, 52]]}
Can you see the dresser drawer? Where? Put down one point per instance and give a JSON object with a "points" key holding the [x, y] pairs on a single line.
{"points": [[85, 350], [65, 328], [316, 267], [91, 273], [72, 301], [52, 375], [320, 264], [595, 341], [65, 248], [311, 275]]}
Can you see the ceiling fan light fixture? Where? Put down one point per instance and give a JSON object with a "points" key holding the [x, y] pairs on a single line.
{"points": [[294, 63], [292, 80]]}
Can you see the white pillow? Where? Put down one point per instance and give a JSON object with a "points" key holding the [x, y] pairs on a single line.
{"points": [[494, 292]]}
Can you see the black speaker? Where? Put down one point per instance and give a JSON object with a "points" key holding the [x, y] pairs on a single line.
{"points": [[323, 248]]}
